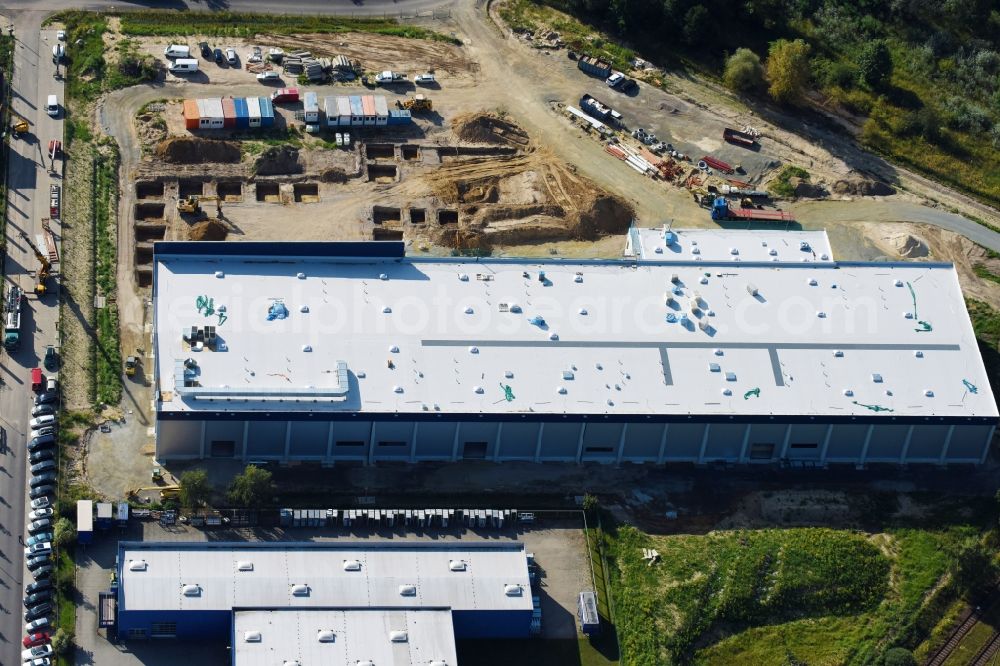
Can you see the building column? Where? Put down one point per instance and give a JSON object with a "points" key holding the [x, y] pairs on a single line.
{"points": [[329, 444], [413, 443], [864, 448], [621, 444], [826, 444], [784, 444], [579, 443], [906, 445], [201, 447], [288, 440], [704, 444], [246, 437], [746, 442], [986, 445], [371, 445], [454, 445], [538, 442], [496, 449], [662, 454], [947, 443]]}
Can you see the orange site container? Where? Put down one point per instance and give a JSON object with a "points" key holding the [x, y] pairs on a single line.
{"points": [[228, 112], [191, 114]]}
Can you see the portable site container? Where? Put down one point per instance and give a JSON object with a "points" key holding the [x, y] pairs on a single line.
{"points": [[191, 115], [586, 611], [228, 112], [330, 109], [399, 117], [344, 109], [253, 111], [381, 111], [242, 114], [212, 116], [84, 521], [203, 119], [368, 109], [121, 518], [357, 110], [310, 107], [103, 515], [266, 112]]}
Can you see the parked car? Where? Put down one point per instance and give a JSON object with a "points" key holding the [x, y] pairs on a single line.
{"points": [[47, 397], [42, 421], [37, 652], [43, 479], [46, 431], [36, 625], [38, 469], [41, 661], [40, 525], [218, 56], [35, 561], [206, 50], [231, 57], [177, 51], [61, 35], [630, 86], [45, 491], [615, 79], [38, 548], [37, 598], [31, 588], [42, 572], [51, 384], [41, 503], [41, 455], [51, 360], [41, 442], [268, 76], [37, 539], [424, 79], [37, 638], [42, 410], [42, 610]]}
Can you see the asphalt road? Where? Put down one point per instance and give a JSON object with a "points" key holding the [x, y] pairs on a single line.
{"points": [[264, 6], [28, 182]]}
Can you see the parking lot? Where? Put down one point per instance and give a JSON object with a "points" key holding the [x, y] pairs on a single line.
{"points": [[558, 546]]}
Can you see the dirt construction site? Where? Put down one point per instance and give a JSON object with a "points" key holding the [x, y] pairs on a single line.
{"points": [[499, 165]]}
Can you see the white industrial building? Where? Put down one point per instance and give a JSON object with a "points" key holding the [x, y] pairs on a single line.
{"points": [[735, 245], [334, 352]]}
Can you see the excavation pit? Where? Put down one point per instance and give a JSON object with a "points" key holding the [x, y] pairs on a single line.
{"points": [[268, 192], [149, 211], [143, 253], [146, 233], [376, 151], [231, 190], [306, 192], [383, 214], [381, 234], [382, 173], [410, 152], [418, 216], [149, 190], [144, 275], [447, 216], [190, 188]]}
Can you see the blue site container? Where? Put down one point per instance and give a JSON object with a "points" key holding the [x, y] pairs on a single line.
{"points": [[266, 112], [399, 117], [357, 110], [242, 112]]}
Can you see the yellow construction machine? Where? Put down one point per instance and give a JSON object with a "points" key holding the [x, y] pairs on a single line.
{"points": [[192, 205], [19, 125], [44, 267], [130, 365], [415, 104]]}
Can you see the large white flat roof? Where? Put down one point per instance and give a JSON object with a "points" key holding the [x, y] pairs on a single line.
{"points": [[735, 245], [313, 575], [349, 637], [399, 335]]}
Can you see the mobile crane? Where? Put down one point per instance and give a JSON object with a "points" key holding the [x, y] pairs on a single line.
{"points": [[44, 269]]}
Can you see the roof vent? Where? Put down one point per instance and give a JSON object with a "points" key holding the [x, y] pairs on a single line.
{"points": [[398, 636], [848, 392], [578, 278], [468, 309], [301, 276], [696, 250], [734, 250], [908, 315], [838, 354], [674, 278], [191, 590], [813, 282], [397, 389], [703, 280], [252, 636], [513, 590], [407, 590], [820, 314], [137, 565], [479, 389], [752, 290], [824, 256], [300, 590], [464, 277], [244, 565], [898, 283], [583, 311], [773, 252], [473, 350], [726, 391], [441, 662], [352, 565], [326, 636], [383, 276], [714, 367], [394, 349], [918, 354], [304, 309], [307, 348], [561, 390], [514, 307], [929, 393], [386, 309], [730, 376], [877, 378], [719, 352], [220, 274], [456, 565], [553, 336], [568, 374], [508, 374]]}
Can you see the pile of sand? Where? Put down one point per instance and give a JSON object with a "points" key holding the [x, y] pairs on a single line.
{"points": [[208, 230], [863, 187], [904, 244], [333, 175], [194, 150], [487, 128]]}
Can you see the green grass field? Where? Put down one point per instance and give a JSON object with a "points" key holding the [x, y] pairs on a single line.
{"points": [[803, 595]]}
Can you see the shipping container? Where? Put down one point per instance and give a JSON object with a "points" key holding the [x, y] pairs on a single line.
{"points": [[594, 66], [84, 521], [344, 110], [253, 111], [191, 114], [212, 117], [228, 112], [121, 519], [368, 109], [399, 117], [103, 515], [266, 112], [310, 107], [357, 110], [330, 109], [381, 111], [242, 113]]}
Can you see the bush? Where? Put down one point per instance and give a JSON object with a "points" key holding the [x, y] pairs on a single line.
{"points": [[65, 533], [831, 73], [744, 73], [875, 64], [62, 641], [898, 656], [194, 488], [788, 69], [252, 489]]}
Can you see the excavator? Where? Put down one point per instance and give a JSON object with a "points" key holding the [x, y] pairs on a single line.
{"points": [[416, 104], [44, 268], [192, 205]]}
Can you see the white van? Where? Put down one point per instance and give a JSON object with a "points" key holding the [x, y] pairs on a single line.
{"points": [[52, 106], [183, 66], [58, 51], [177, 51]]}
